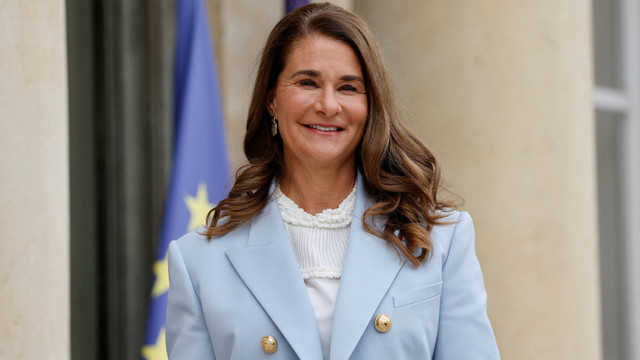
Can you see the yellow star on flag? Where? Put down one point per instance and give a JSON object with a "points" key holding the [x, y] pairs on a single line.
{"points": [[199, 207], [157, 351], [161, 270]]}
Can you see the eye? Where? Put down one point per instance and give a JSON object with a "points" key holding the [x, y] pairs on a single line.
{"points": [[308, 82], [350, 88]]}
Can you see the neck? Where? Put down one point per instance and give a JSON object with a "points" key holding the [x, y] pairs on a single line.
{"points": [[318, 189]]}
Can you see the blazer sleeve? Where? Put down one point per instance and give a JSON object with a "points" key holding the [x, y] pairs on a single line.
{"points": [[187, 334], [464, 330]]}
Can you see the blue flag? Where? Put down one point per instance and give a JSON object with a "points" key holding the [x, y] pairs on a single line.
{"points": [[291, 5], [200, 166]]}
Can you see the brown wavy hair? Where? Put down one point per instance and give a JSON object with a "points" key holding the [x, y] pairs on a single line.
{"points": [[400, 173]]}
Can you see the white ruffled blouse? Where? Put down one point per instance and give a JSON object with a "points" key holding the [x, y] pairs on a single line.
{"points": [[319, 243]]}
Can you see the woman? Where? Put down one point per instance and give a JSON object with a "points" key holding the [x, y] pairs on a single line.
{"points": [[332, 242]]}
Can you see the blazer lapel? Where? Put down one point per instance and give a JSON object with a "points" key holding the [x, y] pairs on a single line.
{"points": [[269, 269], [370, 266]]}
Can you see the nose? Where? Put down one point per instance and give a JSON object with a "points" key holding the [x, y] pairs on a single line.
{"points": [[327, 103]]}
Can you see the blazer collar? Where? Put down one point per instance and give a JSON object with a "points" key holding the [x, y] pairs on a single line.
{"points": [[269, 269], [370, 266]]}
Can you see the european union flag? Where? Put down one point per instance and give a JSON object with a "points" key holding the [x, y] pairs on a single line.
{"points": [[200, 167]]}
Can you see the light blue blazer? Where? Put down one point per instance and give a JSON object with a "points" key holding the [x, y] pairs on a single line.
{"points": [[227, 293]]}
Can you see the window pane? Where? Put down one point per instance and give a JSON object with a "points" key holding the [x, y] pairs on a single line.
{"points": [[606, 35], [611, 236]]}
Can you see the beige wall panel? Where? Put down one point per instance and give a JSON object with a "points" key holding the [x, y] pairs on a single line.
{"points": [[34, 220], [501, 90]]}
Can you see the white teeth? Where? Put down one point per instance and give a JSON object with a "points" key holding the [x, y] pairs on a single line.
{"points": [[318, 127]]}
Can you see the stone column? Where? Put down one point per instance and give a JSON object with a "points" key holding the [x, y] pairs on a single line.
{"points": [[501, 90], [34, 181]]}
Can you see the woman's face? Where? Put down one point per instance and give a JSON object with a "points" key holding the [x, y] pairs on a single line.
{"points": [[320, 103]]}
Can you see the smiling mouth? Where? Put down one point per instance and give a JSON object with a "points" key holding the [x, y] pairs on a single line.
{"points": [[324, 128]]}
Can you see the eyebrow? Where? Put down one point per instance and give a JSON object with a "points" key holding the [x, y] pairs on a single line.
{"points": [[315, 73], [352, 78]]}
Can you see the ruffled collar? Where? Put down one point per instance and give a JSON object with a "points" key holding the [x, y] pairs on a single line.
{"points": [[327, 219]]}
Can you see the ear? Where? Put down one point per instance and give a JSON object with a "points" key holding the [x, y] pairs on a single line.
{"points": [[271, 99]]}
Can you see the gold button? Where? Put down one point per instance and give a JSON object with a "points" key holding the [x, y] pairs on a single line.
{"points": [[383, 323], [269, 344]]}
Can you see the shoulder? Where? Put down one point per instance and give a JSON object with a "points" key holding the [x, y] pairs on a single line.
{"points": [[451, 221], [195, 241], [455, 231], [199, 254]]}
